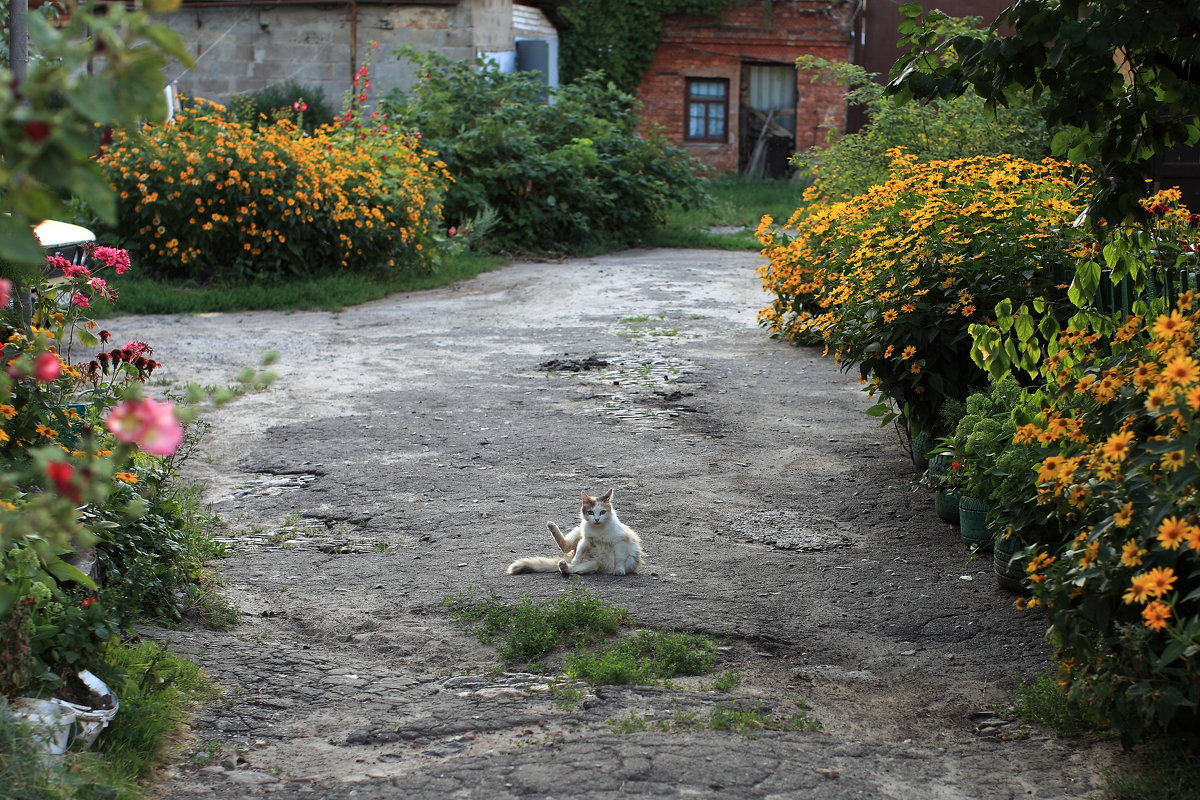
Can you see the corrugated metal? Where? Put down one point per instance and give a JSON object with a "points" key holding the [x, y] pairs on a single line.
{"points": [[773, 88]]}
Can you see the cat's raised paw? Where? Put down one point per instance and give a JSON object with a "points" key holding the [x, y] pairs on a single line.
{"points": [[564, 567]]}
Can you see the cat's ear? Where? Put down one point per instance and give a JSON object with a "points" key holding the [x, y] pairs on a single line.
{"points": [[587, 501], [606, 497]]}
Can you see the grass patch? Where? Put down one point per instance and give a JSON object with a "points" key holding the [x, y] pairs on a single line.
{"points": [[738, 202], [750, 721], [324, 293], [157, 695], [527, 632], [585, 626], [646, 657], [1164, 770], [1044, 702]]}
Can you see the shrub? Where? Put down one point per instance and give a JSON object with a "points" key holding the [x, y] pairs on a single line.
{"points": [[563, 168], [206, 197], [1123, 595], [306, 106], [938, 130], [891, 280]]}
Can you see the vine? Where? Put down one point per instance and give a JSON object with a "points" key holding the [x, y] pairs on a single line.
{"points": [[619, 37]]}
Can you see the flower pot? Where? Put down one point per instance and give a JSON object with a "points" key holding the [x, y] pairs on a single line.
{"points": [[920, 449], [59, 724], [1010, 570], [945, 503], [972, 522]]}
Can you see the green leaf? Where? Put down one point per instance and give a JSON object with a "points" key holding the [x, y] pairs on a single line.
{"points": [[18, 245], [66, 573], [86, 337]]}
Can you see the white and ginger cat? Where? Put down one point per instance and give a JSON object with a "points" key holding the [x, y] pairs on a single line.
{"points": [[599, 543]]}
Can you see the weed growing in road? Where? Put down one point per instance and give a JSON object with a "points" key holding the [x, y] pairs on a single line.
{"points": [[725, 681], [1044, 701], [749, 721], [647, 656], [527, 631]]}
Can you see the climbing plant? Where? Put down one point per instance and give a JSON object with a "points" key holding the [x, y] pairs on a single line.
{"points": [[618, 37]]}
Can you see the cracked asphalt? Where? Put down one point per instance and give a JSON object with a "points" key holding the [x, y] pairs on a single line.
{"points": [[413, 446]]}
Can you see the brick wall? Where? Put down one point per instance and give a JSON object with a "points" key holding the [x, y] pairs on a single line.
{"points": [[758, 32]]}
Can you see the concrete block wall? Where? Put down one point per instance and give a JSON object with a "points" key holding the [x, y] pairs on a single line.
{"points": [[774, 33], [243, 48]]}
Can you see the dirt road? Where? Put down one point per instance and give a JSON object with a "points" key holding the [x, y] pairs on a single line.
{"points": [[413, 446]]}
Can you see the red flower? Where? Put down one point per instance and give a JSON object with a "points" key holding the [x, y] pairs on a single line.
{"points": [[62, 475], [36, 130], [955, 464], [87, 601]]}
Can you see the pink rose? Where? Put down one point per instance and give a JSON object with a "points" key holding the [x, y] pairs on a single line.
{"points": [[5, 292], [151, 425], [47, 367]]}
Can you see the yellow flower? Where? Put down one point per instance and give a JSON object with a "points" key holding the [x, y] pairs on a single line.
{"points": [[1181, 371], [49, 433], [1131, 554], [1156, 615], [1173, 460], [1168, 325], [1171, 532], [7, 411], [890, 315], [1123, 516], [908, 352], [1139, 589], [1116, 447], [1159, 581]]}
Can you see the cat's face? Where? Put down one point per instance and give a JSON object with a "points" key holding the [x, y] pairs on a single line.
{"points": [[596, 510]]}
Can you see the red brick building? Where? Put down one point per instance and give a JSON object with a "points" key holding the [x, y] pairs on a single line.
{"points": [[726, 89]]}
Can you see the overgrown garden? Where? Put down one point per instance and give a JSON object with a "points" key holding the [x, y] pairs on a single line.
{"points": [[1033, 330]]}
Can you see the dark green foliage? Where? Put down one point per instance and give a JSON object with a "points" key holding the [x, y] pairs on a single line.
{"points": [[1062, 52], [279, 101], [1164, 770], [563, 175], [619, 37]]}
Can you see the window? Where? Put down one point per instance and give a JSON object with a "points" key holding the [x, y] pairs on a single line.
{"points": [[707, 105]]}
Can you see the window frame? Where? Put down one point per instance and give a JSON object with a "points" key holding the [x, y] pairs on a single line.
{"points": [[708, 102]]}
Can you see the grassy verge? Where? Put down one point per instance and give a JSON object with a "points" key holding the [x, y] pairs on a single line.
{"points": [[157, 693], [1162, 770], [584, 629], [738, 202], [326, 293]]}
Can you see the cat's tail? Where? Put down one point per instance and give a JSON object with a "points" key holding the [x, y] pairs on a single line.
{"points": [[533, 564]]}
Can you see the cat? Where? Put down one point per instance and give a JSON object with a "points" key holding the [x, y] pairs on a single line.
{"points": [[599, 543]]}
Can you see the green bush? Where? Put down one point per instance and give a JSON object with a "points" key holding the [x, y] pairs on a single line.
{"points": [[304, 105], [565, 169]]}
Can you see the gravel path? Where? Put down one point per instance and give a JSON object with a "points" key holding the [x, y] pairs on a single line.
{"points": [[413, 446]]}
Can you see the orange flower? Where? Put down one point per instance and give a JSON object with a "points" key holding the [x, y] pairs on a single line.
{"points": [[1160, 580], [1116, 447], [1156, 615], [1123, 516], [1181, 371]]}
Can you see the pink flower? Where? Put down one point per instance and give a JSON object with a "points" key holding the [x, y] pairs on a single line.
{"points": [[80, 299], [101, 286], [151, 425], [452, 232], [75, 271], [58, 263], [138, 348], [114, 257], [5, 292], [47, 367]]}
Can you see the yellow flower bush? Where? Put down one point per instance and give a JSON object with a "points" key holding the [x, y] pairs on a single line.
{"points": [[206, 196], [890, 281], [1122, 473]]}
